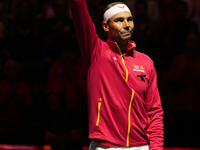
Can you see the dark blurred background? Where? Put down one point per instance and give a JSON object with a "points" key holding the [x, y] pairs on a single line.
{"points": [[43, 79]]}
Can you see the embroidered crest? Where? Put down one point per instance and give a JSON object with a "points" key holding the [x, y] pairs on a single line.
{"points": [[138, 68]]}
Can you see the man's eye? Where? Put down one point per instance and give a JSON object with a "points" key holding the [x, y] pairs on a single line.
{"points": [[130, 19], [119, 20]]}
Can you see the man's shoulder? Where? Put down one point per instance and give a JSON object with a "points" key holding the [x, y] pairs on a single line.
{"points": [[142, 55]]}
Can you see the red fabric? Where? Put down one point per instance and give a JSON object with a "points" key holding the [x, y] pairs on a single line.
{"points": [[105, 143], [107, 83]]}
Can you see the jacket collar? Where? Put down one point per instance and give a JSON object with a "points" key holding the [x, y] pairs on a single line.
{"points": [[115, 48]]}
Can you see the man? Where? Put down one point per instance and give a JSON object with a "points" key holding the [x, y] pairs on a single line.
{"points": [[124, 105]]}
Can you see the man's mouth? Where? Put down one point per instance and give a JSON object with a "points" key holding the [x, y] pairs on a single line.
{"points": [[126, 33]]}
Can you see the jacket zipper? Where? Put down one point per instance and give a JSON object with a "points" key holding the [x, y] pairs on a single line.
{"points": [[123, 61], [130, 104], [129, 118], [99, 108]]}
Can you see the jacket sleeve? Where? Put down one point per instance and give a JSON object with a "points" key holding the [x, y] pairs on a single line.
{"points": [[85, 29], [155, 114]]}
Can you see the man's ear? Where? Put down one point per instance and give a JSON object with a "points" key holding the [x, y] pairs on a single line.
{"points": [[105, 26]]}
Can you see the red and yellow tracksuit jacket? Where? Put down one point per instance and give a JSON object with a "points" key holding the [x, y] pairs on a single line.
{"points": [[123, 98]]}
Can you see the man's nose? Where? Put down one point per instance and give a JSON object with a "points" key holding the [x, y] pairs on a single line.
{"points": [[126, 24]]}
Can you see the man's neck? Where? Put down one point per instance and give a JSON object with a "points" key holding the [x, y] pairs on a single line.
{"points": [[123, 46]]}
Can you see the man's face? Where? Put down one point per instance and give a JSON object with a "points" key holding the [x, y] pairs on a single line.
{"points": [[120, 27]]}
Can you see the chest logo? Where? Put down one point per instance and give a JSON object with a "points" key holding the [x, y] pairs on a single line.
{"points": [[138, 68]]}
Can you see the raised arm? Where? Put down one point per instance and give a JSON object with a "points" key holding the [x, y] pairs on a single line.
{"points": [[85, 29], [155, 114]]}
